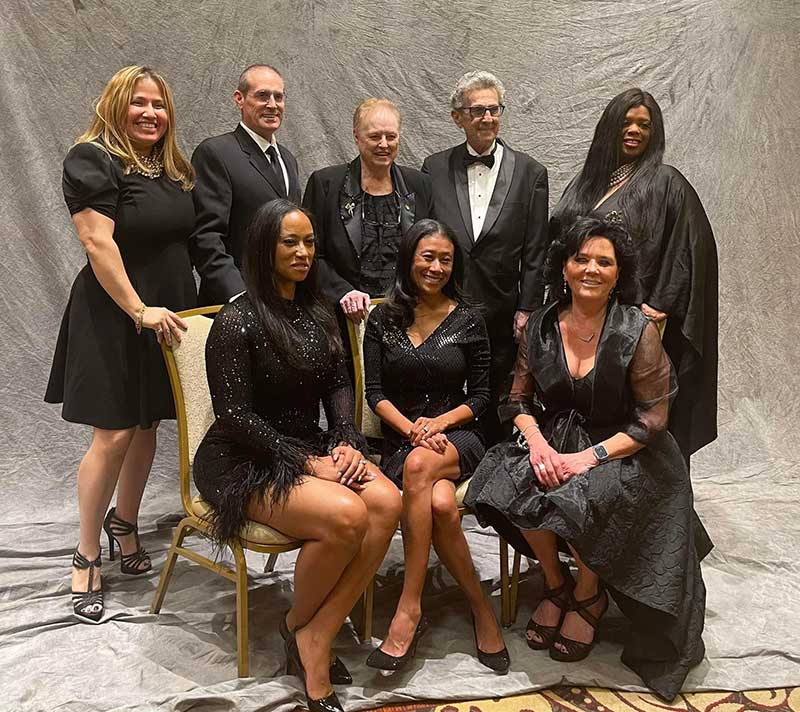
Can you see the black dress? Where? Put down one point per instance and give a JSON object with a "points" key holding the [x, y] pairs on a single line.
{"points": [[428, 380], [632, 519], [267, 411], [678, 274], [104, 373]]}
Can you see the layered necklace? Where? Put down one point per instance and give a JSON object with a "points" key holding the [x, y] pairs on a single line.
{"points": [[622, 173], [153, 166]]}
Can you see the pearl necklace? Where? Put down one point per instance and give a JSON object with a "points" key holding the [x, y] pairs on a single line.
{"points": [[153, 166], [622, 173]]}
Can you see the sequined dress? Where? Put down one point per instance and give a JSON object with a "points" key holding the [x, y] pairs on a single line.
{"points": [[428, 380], [267, 411]]}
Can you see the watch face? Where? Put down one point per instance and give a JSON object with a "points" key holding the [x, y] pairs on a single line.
{"points": [[601, 453]]}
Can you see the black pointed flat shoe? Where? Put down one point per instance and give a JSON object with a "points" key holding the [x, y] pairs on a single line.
{"points": [[339, 673], [383, 661]]}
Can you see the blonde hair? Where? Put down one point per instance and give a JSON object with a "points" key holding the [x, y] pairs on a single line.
{"points": [[368, 105], [107, 129]]}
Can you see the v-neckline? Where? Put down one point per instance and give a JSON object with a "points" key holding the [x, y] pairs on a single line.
{"points": [[615, 193], [435, 329], [564, 349]]}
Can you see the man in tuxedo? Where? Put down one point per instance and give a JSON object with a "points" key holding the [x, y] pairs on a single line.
{"points": [[236, 173], [495, 199]]}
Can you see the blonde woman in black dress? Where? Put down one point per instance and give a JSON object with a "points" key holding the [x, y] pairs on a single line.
{"points": [[127, 187]]}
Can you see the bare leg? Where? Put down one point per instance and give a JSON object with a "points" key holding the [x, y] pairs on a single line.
{"points": [[453, 551], [544, 545], [132, 481], [422, 469], [97, 477], [574, 627]]}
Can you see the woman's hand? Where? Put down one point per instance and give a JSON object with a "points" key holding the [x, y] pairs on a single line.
{"points": [[576, 463], [653, 314], [426, 428], [437, 443], [545, 461], [350, 464], [167, 325]]}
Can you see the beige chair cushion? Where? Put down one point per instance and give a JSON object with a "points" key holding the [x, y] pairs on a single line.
{"points": [[190, 360], [461, 492], [370, 423], [252, 533]]}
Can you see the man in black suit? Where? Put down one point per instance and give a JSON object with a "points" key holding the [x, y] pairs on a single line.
{"points": [[237, 173], [495, 199]]}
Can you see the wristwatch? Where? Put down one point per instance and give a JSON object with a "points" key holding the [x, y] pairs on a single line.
{"points": [[600, 453]]}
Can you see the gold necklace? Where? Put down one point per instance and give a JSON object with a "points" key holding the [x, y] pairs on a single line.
{"points": [[153, 166]]}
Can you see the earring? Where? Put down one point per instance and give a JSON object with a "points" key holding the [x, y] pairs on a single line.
{"points": [[565, 288]]}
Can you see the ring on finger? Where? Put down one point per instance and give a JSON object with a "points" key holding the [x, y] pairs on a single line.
{"points": [[541, 467], [424, 428]]}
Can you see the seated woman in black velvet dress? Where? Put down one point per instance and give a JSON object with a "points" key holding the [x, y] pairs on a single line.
{"points": [[594, 466], [420, 347], [273, 353]]}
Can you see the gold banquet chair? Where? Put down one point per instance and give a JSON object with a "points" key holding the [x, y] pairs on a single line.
{"points": [[370, 425]]}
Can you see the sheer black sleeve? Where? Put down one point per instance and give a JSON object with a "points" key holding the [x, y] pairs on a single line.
{"points": [[479, 358], [521, 398], [229, 369], [340, 411], [652, 383], [373, 359]]}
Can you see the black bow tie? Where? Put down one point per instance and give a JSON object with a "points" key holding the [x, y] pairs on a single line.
{"points": [[487, 161]]}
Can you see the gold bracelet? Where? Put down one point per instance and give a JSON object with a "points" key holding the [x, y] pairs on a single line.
{"points": [[140, 318], [532, 425]]}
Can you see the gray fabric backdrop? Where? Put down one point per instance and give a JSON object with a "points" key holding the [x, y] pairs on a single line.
{"points": [[725, 74]]}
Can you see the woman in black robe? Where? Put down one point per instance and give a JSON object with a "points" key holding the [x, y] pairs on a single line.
{"points": [[624, 179], [594, 466]]}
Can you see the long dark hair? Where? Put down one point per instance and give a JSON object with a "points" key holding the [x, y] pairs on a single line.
{"points": [[263, 234], [570, 241], [399, 306], [604, 157]]}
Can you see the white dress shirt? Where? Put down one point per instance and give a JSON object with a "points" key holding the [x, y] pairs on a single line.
{"points": [[481, 181], [263, 144]]}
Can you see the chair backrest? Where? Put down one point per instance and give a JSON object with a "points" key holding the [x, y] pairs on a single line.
{"points": [[366, 421], [186, 366]]}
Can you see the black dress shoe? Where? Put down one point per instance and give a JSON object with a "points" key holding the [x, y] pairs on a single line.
{"points": [[383, 661], [499, 661], [340, 675], [294, 666]]}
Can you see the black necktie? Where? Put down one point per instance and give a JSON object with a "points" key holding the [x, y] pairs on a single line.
{"points": [[487, 161], [275, 167]]}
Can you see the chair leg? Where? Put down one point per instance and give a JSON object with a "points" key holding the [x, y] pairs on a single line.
{"points": [[514, 588], [269, 567], [505, 603], [169, 566], [369, 604], [242, 622]]}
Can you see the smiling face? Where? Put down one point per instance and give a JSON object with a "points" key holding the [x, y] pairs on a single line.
{"points": [[432, 264], [294, 252], [481, 131], [378, 137], [592, 273], [147, 119], [635, 135], [263, 104]]}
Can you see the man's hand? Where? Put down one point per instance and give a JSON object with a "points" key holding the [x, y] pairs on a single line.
{"points": [[520, 320], [355, 305], [653, 314]]}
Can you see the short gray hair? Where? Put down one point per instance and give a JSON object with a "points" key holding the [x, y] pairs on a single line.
{"points": [[475, 80]]}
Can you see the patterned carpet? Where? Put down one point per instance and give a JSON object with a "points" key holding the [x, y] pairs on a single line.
{"points": [[592, 699]]}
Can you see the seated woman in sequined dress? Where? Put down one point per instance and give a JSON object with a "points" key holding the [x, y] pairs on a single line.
{"points": [[273, 353], [420, 347]]}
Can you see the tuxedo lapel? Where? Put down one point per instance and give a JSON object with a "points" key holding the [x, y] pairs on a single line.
{"points": [[458, 177], [350, 204], [291, 172], [500, 193], [258, 160], [408, 200]]}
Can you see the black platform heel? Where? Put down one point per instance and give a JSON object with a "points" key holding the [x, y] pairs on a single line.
{"points": [[383, 661], [339, 673], [561, 597], [87, 605], [577, 650], [294, 666], [131, 563]]}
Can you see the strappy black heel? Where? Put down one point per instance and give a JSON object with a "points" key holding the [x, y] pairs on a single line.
{"points": [[577, 650], [294, 666], [561, 597], [87, 605], [132, 563], [339, 673]]}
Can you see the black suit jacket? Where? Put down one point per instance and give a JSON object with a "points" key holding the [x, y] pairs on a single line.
{"points": [[333, 195], [233, 179], [504, 264]]}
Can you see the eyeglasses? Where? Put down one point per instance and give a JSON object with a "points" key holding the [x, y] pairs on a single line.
{"points": [[478, 111]]}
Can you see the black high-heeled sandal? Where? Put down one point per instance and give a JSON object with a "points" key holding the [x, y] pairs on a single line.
{"points": [[339, 673], [561, 597], [499, 661], [87, 605], [577, 650], [294, 666], [383, 661], [132, 563]]}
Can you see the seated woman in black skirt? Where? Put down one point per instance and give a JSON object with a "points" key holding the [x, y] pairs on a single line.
{"points": [[594, 466], [272, 354], [420, 347]]}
